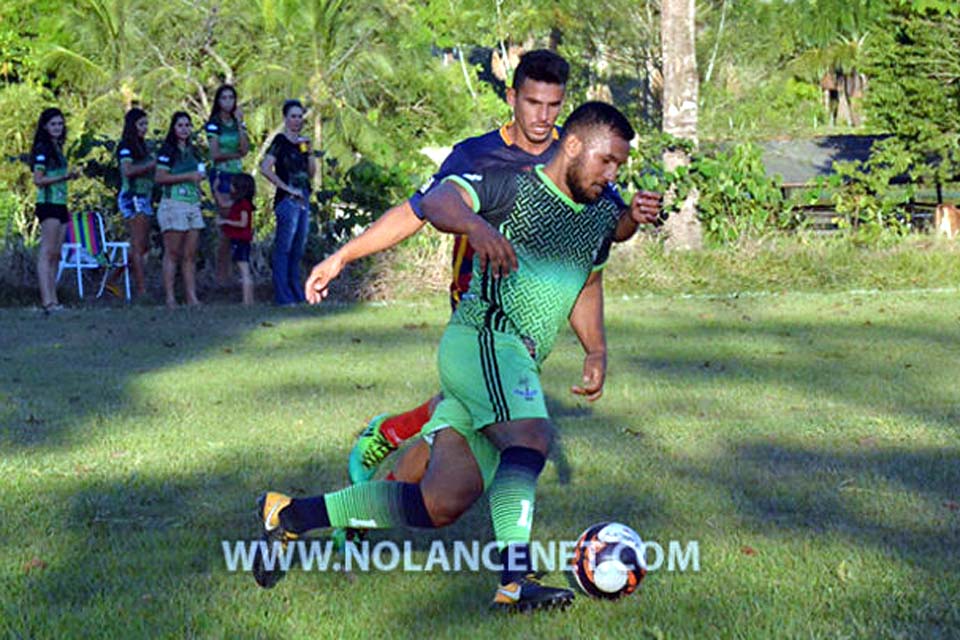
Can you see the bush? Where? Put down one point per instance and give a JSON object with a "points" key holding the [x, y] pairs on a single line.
{"points": [[737, 198]]}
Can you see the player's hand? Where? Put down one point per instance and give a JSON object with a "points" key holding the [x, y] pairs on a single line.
{"points": [[594, 373], [645, 207], [320, 278], [491, 249]]}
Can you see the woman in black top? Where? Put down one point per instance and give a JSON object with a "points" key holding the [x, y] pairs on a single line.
{"points": [[289, 164]]}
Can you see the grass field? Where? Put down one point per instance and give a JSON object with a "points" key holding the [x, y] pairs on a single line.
{"points": [[808, 442]]}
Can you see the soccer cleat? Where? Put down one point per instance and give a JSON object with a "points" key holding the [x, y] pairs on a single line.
{"points": [[371, 449], [528, 594], [274, 537]]}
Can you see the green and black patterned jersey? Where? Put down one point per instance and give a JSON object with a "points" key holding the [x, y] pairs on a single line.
{"points": [[141, 185], [228, 135], [49, 159], [558, 243], [178, 162]]}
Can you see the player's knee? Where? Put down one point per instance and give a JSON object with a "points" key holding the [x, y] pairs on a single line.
{"points": [[545, 433], [446, 508], [535, 434]]}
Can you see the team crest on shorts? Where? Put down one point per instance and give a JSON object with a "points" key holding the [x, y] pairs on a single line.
{"points": [[524, 391]]}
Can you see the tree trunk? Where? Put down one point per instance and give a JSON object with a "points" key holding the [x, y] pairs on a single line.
{"points": [[680, 94], [599, 72]]}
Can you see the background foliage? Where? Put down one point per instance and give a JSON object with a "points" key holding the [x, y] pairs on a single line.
{"points": [[384, 80]]}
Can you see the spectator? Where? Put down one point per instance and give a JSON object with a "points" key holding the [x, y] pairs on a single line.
{"points": [[289, 164], [238, 227], [228, 142], [180, 173], [137, 166], [50, 175]]}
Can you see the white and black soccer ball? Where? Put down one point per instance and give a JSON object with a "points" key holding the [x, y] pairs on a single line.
{"points": [[608, 561]]}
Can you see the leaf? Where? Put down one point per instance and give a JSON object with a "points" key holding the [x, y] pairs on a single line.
{"points": [[34, 564], [842, 572]]}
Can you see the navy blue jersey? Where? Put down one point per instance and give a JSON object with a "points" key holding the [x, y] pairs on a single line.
{"points": [[493, 150]]}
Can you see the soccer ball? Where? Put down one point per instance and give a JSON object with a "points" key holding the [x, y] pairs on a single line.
{"points": [[608, 561]]}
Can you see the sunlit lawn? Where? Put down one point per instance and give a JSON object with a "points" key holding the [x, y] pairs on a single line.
{"points": [[807, 442]]}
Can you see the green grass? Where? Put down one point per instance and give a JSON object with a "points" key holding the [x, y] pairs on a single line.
{"points": [[807, 441]]}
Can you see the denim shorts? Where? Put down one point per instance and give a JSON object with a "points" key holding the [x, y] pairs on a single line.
{"points": [[224, 181], [240, 250], [132, 204]]}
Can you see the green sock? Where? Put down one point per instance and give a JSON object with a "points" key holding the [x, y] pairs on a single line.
{"points": [[512, 494], [378, 505]]}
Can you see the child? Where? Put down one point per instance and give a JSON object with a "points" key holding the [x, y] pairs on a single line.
{"points": [[238, 227]]}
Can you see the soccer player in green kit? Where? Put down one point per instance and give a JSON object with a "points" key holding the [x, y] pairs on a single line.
{"points": [[538, 237]]}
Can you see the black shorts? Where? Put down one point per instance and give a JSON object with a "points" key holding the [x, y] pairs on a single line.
{"points": [[45, 210], [240, 250]]}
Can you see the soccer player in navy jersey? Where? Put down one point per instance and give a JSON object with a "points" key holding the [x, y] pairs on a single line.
{"points": [[531, 138]]}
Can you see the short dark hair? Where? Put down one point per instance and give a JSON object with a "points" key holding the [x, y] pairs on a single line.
{"points": [[541, 65], [290, 104], [591, 115]]}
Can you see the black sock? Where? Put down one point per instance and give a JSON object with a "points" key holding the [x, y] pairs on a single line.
{"points": [[304, 514]]}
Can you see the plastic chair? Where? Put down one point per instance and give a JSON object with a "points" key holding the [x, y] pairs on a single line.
{"points": [[86, 247]]}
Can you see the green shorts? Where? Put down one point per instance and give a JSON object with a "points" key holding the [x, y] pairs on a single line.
{"points": [[487, 377]]}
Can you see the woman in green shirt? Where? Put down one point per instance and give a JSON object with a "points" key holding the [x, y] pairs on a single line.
{"points": [[137, 165], [50, 175], [180, 173], [228, 142]]}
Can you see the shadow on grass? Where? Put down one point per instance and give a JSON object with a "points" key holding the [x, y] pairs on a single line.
{"points": [[61, 371], [142, 557], [902, 501], [882, 370]]}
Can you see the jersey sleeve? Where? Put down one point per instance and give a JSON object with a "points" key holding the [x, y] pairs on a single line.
{"points": [[164, 159], [275, 149], [124, 154], [213, 130], [40, 160], [493, 193], [603, 253], [456, 163]]}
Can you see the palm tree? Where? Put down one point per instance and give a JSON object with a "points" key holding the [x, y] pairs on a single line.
{"points": [[331, 52], [97, 49], [832, 34], [680, 94]]}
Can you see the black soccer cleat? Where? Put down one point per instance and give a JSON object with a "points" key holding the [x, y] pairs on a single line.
{"points": [[528, 594], [270, 570]]}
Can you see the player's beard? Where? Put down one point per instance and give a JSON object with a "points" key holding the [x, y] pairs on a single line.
{"points": [[574, 179]]}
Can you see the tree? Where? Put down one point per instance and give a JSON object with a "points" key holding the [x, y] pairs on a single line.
{"points": [[680, 92]]}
